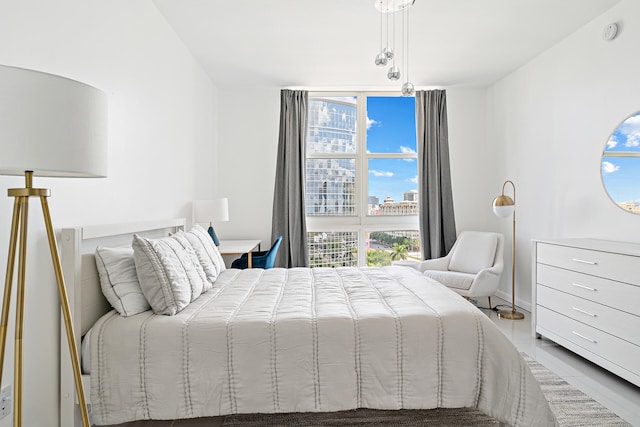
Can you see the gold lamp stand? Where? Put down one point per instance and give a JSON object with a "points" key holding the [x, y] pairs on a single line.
{"points": [[19, 224], [504, 206]]}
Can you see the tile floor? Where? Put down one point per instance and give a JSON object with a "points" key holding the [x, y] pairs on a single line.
{"points": [[620, 396]]}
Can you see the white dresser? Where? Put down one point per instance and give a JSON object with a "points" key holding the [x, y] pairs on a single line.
{"points": [[586, 297]]}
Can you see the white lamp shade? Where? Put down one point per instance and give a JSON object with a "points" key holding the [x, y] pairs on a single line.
{"points": [[211, 210], [504, 211], [51, 125]]}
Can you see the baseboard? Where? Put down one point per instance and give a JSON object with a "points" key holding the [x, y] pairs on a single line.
{"points": [[525, 305]]}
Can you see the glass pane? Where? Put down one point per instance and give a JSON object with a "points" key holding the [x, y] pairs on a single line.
{"points": [[393, 187], [391, 124], [621, 165], [383, 247], [330, 187], [331, 125], [333, 249], [621, 178]]}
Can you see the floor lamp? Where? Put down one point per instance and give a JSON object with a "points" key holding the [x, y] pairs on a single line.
{"points": [[54, 127], [504, 206]]}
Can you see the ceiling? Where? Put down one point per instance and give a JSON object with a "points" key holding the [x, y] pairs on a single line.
{"points": [[333, 43]]}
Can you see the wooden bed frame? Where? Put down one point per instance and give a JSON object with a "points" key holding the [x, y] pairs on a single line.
{"points": [[86, 300]]}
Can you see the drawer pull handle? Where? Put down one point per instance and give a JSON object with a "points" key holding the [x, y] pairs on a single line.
{"points": [[584, 262], [584, 312], [584, 287], [585, 338]]}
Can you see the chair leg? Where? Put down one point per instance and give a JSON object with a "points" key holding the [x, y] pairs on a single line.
{"points": [[490, 308]]}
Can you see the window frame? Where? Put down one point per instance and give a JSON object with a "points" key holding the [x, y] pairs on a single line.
{"points": [[361, 223]]}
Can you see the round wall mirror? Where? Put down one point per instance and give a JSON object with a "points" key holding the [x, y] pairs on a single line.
{"points": [[621, 164]]}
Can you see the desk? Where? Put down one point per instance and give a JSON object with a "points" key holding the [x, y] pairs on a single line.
{"points": [[238, 247]]}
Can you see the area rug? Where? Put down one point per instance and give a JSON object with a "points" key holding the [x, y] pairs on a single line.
{"points": [[571, 406]]}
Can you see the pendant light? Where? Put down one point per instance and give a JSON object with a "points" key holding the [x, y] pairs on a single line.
{"points": [[388, 54], [407, 86]]}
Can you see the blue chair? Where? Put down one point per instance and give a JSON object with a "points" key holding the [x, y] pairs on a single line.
{"points": [[264, 259]]}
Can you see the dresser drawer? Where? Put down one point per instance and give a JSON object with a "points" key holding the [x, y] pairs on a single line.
{"points": [[617, 351], [622, 296], [615, 322], [623, 268]]}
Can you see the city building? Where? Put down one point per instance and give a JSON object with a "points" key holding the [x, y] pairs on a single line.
{"points": [[630, 207], [411, 196], [391, 207]]}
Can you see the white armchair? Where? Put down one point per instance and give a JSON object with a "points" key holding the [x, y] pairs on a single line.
{"points": [[473, 266]]}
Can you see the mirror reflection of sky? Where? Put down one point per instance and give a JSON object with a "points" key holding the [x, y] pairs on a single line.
{"points": [[391, 128], [621, 175]]}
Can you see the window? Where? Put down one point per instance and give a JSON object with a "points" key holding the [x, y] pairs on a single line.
{"points": [[361, 179]]}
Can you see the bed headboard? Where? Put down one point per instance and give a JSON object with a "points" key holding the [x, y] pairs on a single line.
{"points": [[86, 301]]}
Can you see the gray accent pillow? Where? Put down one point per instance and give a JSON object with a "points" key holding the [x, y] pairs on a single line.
{"points": [[119, 280], [169, 272]]}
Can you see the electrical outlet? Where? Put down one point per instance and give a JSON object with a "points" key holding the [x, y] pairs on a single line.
{"points": [[6, 401]]}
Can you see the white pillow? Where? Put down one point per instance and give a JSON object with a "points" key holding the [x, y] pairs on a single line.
{"points": [[169, 272], [207, 252], [119, 280], [474, 252]]}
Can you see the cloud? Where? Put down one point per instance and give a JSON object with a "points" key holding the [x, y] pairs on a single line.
{"points": [[414, 179], [407, 150], [371, 122], [612, 142], [630, 129], [380, 173], [608, 167], [633, 121], [633, 140]]}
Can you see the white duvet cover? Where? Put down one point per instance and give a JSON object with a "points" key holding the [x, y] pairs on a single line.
{"points": [[311, 340]]}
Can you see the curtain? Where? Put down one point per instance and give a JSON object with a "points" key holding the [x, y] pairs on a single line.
{"points": [[437, 222], [288, 199]]}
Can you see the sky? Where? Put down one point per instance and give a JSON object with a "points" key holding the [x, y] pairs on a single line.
{"points": [[391, 128], [621, 175]]}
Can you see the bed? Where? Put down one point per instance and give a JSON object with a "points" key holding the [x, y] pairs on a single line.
{"points": [[291, 340]]}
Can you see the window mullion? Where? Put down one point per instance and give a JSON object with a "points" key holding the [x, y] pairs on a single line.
{"points": [[362, 172], [392, 155]]}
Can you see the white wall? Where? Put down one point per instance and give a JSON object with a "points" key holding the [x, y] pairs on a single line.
{"points": [[162, 147], [473, 159], [248, 132], [551, 119]]}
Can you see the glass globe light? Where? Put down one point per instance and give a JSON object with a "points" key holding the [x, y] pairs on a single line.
{"points": [[393, 73], [388, 52], [503, 206], [408, 89], [381, 59]]}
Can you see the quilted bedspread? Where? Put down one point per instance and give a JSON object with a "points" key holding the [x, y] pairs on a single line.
{"points": [[310, 340]]}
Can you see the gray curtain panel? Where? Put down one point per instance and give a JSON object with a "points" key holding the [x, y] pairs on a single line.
{"points": [[288, 199], [437, 221]]}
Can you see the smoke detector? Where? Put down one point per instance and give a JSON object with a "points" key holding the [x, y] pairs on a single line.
{"points": [[610, 32]]}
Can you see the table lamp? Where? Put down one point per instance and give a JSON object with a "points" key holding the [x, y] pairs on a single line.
{"points": [[209, 211], [50, 126], [504, 206]]}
